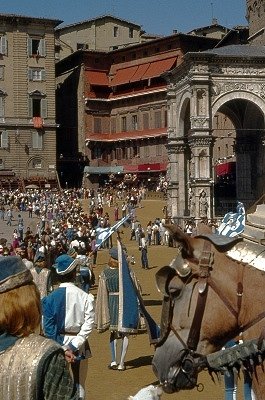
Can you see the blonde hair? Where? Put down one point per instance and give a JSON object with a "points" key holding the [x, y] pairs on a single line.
{"points": [[113, 263], [20, 310]]}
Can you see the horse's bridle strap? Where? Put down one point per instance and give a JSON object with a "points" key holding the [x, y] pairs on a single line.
{"points": [[195, 329], [222, 297]]}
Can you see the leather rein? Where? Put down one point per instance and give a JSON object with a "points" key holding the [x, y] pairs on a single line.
{"points": [[204, 282]]}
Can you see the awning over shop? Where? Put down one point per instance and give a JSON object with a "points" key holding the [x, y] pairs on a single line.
{"points": [[103, 170], [146, 167], [225, 168], [123, 136], [123, 75], [97, 78], [123, 169]]}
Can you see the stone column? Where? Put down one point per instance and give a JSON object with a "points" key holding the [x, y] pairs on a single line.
{"points": [[176, 190]]}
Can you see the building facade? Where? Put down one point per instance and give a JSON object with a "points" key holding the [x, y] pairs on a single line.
{"points": [[117, 103], [104, 33], [27, 100]]}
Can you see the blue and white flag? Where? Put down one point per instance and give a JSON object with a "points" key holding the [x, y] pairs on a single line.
{"points": [[233, 223], [104, 233]]}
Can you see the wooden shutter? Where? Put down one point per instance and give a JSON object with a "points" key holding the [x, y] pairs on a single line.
{"points": [[34, 140], [4, 139], [30, 74], [43, 75], [3, 45], [42, 48], [146, 121], [29, 47], [30, 107], [43, 111], [158, 123], [2, 111]]}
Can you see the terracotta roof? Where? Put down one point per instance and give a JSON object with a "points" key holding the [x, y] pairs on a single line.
{"points": [[121, 136]]}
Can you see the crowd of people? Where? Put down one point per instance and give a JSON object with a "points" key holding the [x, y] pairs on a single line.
{"points": [[59, 251]]}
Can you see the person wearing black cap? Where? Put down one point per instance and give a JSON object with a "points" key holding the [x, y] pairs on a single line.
{"points": [[68, 317], [31, 366]]}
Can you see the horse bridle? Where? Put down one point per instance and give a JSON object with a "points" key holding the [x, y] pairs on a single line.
{"points": [[205, 280]]}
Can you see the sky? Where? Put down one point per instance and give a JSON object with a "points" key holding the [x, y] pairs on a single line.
{"points": [[159, 17]]}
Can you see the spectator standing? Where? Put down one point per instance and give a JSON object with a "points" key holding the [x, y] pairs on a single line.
{"points": [[68, 317], [9, 216], [143, 248], [31, 366]]}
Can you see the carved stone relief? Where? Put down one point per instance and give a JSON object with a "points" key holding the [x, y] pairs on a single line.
{"points": [[199, 122], [224, 87]]}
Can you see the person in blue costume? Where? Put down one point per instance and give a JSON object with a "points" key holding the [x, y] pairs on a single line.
{"points": [[68, 317], [107, 310]]}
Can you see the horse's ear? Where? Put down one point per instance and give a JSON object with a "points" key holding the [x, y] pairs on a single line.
{"points": [[182, 238]]}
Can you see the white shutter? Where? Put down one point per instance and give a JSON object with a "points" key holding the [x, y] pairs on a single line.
{"points": [[3, 45], [42, 48], [43, 75], [30, 74], [29, 47], [43, 108], [4, 139], [34, 140]]}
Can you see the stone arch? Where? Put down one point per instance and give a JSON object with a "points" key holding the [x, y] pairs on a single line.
{"points": [[238, 95], [36, 165], [247, 112], [184, 108]]}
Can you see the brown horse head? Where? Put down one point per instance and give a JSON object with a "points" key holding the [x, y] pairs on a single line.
{"points": [[205, 305]]}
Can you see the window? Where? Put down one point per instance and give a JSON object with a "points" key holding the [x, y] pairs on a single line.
{"points": [[113, 125], [118, 153], [1, 163], [4, 142], [37, 105], [82, 46], [3, 45], [37, 140], [115, 31], [36, 47], [124, 124], [37, 74], [134, 123], [97, 125], [2, 69], [130, 32], [146, 151], [135, 151], [36, 163], [158, 150], [145, 121], [158, 123]]}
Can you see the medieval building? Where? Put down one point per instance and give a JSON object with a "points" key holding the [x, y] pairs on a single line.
{"points": [[27, 101], [228, 82]]}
